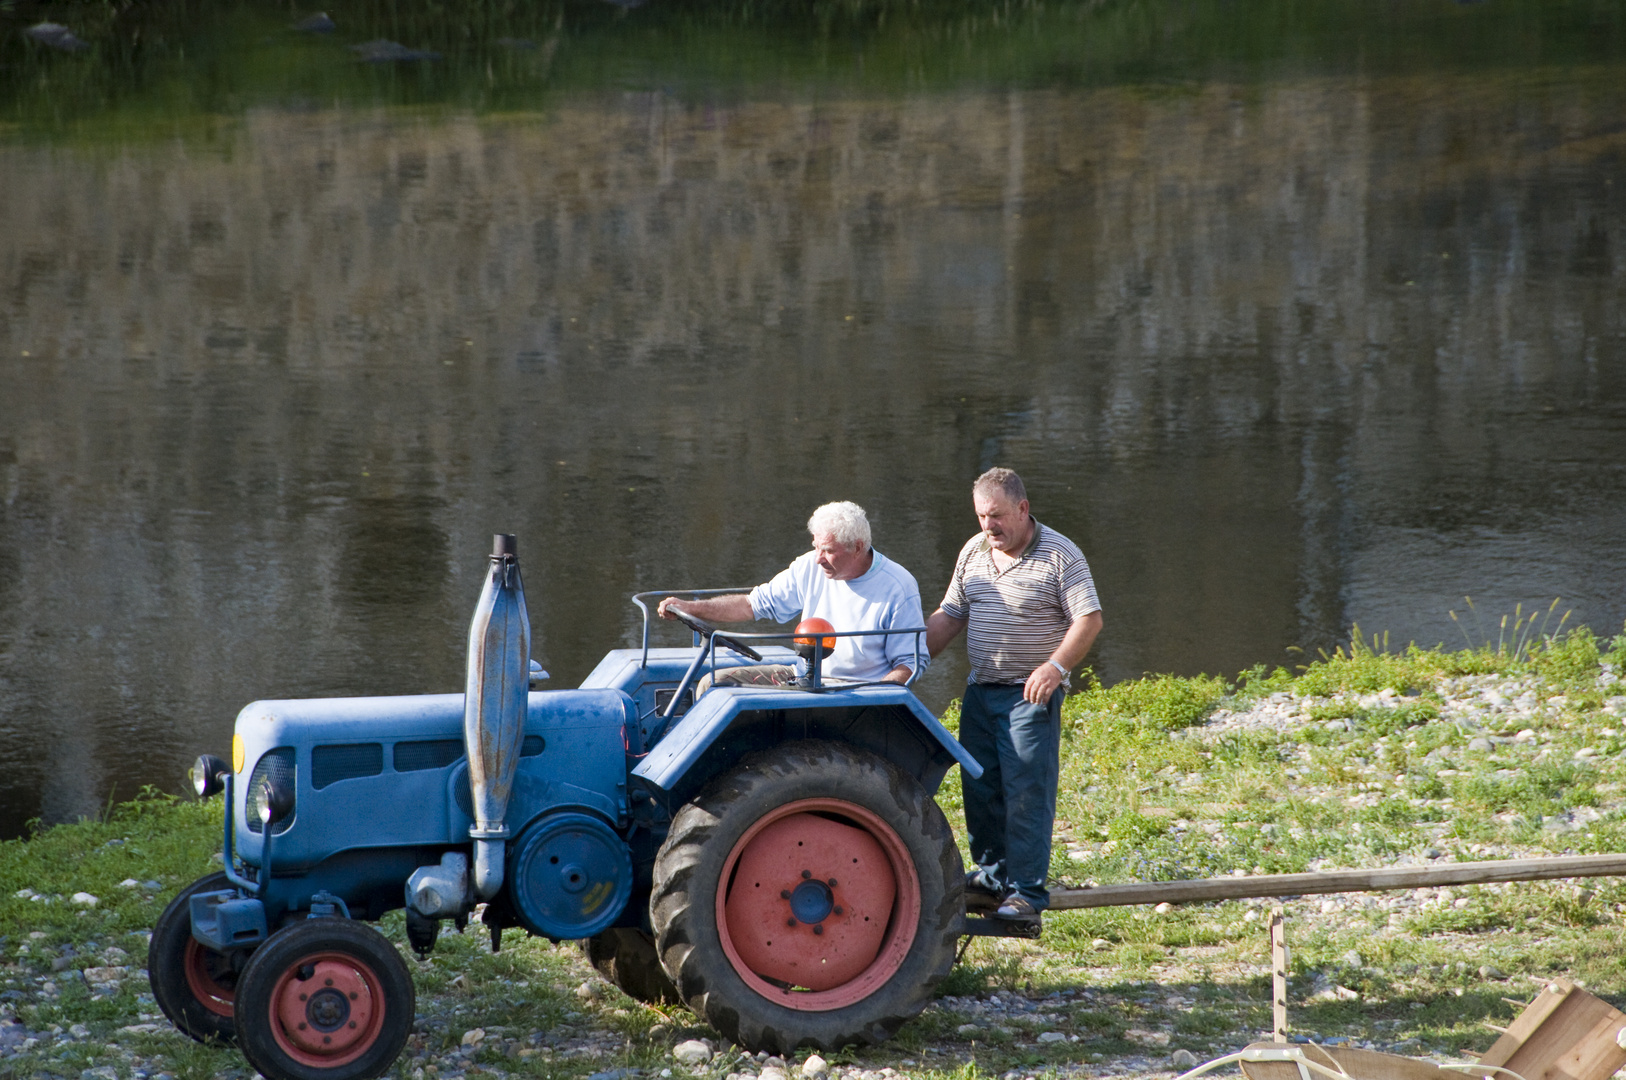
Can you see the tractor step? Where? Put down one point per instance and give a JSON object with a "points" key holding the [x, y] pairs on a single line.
{"points": [[1003, 928]]}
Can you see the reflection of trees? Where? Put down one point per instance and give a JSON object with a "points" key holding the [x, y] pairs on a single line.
{"points": [[282, 388]]}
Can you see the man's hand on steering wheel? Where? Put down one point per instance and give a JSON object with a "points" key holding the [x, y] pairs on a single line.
{"points": [[668, 609]]}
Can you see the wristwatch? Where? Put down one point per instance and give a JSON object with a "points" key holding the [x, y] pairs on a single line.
{"points": [[1066, 676]]}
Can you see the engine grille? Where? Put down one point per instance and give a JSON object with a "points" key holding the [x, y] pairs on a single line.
{"points": [[330, 764], [430, 754], [278, 767]]}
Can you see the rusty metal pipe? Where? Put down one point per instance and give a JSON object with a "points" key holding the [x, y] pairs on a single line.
{"points": [[494, 707]]}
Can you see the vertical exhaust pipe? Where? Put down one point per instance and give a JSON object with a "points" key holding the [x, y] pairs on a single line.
{"points": [[494, 707]]}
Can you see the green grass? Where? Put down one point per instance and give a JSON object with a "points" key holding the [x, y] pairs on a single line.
{"points": [[1381, 764], [158, 70]]}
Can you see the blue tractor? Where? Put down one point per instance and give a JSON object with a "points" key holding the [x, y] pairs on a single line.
{"points": [[770, 856]]}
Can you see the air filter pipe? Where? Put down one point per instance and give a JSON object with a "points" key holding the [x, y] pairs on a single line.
{"points": [[494, 708]]}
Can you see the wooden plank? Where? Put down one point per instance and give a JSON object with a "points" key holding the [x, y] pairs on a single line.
{"points": [[1273, 1061], [1565, 1034], [1389, 877], [1278, 976], [1524, 1025]]}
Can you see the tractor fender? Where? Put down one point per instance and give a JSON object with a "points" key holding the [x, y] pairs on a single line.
{"points": [[729, 722]]}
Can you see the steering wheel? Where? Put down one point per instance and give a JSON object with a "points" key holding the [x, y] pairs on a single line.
{"points": [[706, 630]]}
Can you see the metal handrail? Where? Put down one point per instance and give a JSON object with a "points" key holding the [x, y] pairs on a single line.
{"points": [[693, 594]]}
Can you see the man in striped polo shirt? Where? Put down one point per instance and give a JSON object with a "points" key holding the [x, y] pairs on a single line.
{"points": [[1024, 596]]}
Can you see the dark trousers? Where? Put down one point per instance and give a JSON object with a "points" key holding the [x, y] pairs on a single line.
{"points": [[1010, 811]]}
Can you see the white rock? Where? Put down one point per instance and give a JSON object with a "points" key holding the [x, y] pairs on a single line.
{"points": [[474, 1036], [1183, 1059], [84, 899], [771, 1073], [1100, 944], [129, 883], [103, 974], [691, 1052], [1052, 1037], [588, 991], [1164, 908], [815, 1066], [79, 1031], [1147, 1038]]}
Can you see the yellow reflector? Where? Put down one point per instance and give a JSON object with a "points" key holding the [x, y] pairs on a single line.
{"points": [[237, 753]]}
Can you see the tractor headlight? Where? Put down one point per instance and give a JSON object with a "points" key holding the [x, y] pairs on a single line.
{"points": [[276, 766], [276, 801], [208, 776]]}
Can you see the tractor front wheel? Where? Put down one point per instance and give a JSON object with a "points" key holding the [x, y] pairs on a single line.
{"points": [[193, 985], [810, 897], [324, 999]]}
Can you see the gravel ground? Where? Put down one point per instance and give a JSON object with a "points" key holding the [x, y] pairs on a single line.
{"points": [[1104, 1020]]}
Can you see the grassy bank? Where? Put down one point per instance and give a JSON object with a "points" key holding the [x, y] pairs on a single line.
{"points": [[1364, 758], [159, 69]]}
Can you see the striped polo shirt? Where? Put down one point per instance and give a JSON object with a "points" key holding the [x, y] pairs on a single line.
{"points": [[1016, 617]]}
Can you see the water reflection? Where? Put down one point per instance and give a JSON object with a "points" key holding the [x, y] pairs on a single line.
{"points": [[1279, 356]]}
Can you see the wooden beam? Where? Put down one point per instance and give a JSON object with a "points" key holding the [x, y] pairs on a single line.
{"points": [[1337, 881], [1278, 976]]}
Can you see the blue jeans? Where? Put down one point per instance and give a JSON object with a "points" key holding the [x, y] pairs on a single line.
{"points": [[1010, 811]]}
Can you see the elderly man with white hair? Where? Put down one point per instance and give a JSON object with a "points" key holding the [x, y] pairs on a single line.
{"points": [[844, 580]]}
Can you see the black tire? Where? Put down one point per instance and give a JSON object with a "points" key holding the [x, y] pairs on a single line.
{"points": [[193, 985], [324, 999], [627, 959], [709, 842]]}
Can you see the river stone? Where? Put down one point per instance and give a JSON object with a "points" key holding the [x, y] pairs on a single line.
{"points": [[772, 1073], [691, 1052], [56, 36], [1052, 1037], [815, 1066], [1183, 1059]]}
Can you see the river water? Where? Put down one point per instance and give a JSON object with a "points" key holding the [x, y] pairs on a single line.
{"points": [[1284, 346]]}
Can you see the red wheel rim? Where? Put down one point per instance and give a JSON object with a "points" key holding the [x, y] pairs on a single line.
{"points": [[777, 882], [326, 1010], [204, 970]]}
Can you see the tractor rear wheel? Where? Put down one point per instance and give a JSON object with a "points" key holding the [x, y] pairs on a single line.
{"points": [[193, 985], [811, 897], [324, 999], [627, 959]]}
